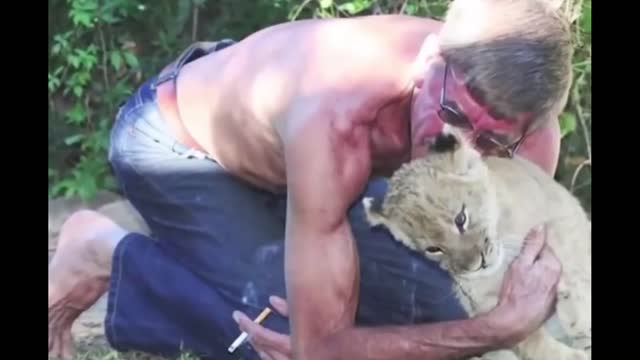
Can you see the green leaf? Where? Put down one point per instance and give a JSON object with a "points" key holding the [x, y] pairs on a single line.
{"points": [[116, 59], [55, 50], [88, 188], [87, 57], [109, 18], [77, 90], [70, 191], [585, 21], [325, 4], [73, 139], [74, 60], [348, 7], [64, 186], [54, 82], [80, 17], [77, 114], [181, 17], [568, 123], [88, 5], [131, 60], [355, 6], [411, 9]]}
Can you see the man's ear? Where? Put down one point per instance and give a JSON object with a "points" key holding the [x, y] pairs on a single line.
{"points": [[373, 210], [429, 51], [542, 146]]}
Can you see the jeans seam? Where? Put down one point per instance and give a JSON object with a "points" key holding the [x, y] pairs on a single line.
{"points": [[137, 106], [119, 137], [116, 277]]}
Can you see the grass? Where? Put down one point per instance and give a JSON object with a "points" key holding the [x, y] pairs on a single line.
{"points": [[104, 353]]}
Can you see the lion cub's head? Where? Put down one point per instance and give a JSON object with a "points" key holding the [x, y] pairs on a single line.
{"points": [[443, 206]]}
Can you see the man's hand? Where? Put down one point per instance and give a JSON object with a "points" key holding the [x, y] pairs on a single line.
{"points": [[528, 294], [269, 344]]}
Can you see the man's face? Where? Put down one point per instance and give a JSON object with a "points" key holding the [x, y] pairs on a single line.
{"points": [[432, 108]]}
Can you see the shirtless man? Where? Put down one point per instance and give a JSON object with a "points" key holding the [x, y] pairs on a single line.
{"points": [[259, 177]]}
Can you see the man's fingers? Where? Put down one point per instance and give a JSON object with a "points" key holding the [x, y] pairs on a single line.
{"points": [[280, 305], [261, 336], [263, 355], [533, 244], [271, 339], [549, 262], [274, 355], [269, 354]]}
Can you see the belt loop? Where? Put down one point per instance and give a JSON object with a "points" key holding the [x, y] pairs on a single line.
{"points": [[206, 47], [223, 44], [164, 78], [175, 68]]}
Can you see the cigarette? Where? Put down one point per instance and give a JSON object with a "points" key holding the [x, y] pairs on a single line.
{"points": [[240, 339]]}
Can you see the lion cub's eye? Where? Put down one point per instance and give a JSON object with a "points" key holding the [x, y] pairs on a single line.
{"points": [[433, 250], [462, 220]]}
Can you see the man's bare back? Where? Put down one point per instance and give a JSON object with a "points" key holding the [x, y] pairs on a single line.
{"points": [[237, 103]]}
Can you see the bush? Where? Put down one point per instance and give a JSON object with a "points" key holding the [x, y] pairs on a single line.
{"points": [[100, 50]]}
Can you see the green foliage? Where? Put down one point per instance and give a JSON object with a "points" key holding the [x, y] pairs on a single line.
{"points": [[92, 67], [574, 169], [100, 50]]}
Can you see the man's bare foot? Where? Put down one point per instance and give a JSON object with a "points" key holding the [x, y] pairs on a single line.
{"points": [[78, 274]]}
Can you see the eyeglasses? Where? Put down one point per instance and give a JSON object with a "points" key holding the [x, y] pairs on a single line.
{"points": [[484, 141]]}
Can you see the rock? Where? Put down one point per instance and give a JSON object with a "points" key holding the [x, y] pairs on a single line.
{"points": [[125, 215], [89, 327], [61, 208], [107, 203]]}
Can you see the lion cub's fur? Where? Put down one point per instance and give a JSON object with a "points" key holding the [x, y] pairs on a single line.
{"points": [[471, 215]]}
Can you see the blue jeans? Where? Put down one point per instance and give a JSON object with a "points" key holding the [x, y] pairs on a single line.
{"points": [[217, 245]]}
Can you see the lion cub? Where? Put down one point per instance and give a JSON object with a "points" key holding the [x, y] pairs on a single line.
{"points": [[471, 215]]}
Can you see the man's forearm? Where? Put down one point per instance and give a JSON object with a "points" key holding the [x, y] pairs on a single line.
{"points": [[445, 340]]}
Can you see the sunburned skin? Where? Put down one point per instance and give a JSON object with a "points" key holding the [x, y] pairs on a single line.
{"points": [[247, 137]]}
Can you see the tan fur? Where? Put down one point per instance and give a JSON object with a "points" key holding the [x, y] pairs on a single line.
{"points": [[504, 199]]}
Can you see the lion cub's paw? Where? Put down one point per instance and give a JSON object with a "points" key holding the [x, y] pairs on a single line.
{"points": [[579, 355]]}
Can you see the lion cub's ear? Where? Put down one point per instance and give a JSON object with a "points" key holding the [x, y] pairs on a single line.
{"points": [[451, 152], [373, 211], [445, 142]]}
